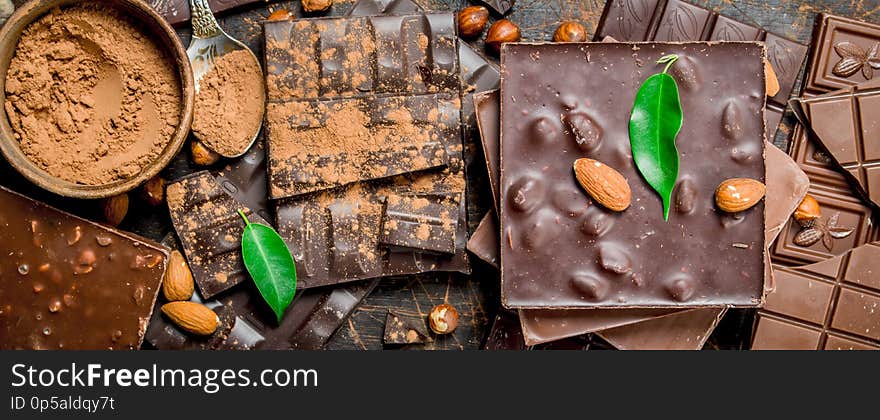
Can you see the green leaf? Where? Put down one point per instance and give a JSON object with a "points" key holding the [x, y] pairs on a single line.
{"points": [[654, 124], [270, 264]]}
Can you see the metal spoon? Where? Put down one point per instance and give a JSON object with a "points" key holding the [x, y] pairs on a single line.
{"points": [[209, 43]]}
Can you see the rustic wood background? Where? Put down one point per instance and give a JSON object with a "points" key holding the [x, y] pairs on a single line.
{"points": [[475, 296]]}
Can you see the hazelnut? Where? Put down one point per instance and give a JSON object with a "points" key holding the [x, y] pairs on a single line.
{"points": [[807, 211], [472, 21], [115, 209], [443, 319], [570, 32], [313, 6], [280, 14], [154, 191], [201, 155], [500, 32]]}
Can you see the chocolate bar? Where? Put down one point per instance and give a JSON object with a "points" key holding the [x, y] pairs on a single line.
{"points": [[178, 11], [205, 216], [833, 304], [400, 330], [488, 113], [245, 180], [420, 223], [633, 258], [383, 7], [846, 52], [247, 323], [684, 330], [846, 125], [484, 241], [680, 21], [499, 6], [61, 281]]}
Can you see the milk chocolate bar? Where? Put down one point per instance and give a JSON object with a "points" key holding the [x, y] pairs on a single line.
{"points": [[832, 304], [846, 124], [634, 258], [207, 222], [846, 52], [684, 330], [680, 21], [61, 283]]}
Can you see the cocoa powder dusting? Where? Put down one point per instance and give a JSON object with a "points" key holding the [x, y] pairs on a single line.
{"points": [[90, 97], [229, 106]]}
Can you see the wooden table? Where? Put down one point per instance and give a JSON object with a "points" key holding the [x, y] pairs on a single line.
{"points": [[476, 296]]}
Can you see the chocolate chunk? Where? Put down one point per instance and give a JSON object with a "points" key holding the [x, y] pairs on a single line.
{"points": [[401, 329], [383, 7], [484, 241], [675, 20], [640, 245], [846, 125], [505, 334], [60, 288], [178, 11], [245, 180], [832, 304], [207, 222], [840, 43], [684, 330], [500, 6], [420, 223]]}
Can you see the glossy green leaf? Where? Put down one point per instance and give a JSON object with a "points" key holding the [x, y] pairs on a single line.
{"points": [[270, 264], [655, 122]]}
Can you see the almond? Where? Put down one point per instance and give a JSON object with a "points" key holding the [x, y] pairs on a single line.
{"points": [[770, 79], [738, 194], [602, 182], [193, 317], [178, 283], [115, 208]]}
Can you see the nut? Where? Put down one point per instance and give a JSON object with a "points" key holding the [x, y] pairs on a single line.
{"points": [[602, 182], [154, 191], [115, 209], [193, 317], [201, 155], [178, 284], [472, 21], [443, 319], [313, 6], [570, 32], [770, 79], [807, 211], [738, 194], [500, 32], [280, 14]]}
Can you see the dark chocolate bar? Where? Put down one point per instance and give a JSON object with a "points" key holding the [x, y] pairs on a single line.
{"points": [[207, 222], [245, 180], [846, 52], [178, 11], [559, 251], [684, 330], [247, 323], [68, 283], [383, 7], [499, 6], [675, 20], [846, 124], [420, 223], [832, 305]]}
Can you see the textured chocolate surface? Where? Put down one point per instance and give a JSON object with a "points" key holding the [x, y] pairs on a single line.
{"points": [[61, 280], [205, 216], [833, 304], [674, 20], [178, 11], [558, 250], [847, 126], [684, 330], [846, 52]]}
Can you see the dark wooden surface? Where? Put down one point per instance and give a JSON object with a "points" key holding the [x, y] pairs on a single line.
{"points": [[475, 296]]}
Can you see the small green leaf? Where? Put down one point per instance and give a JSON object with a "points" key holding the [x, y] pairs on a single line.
{"points": [[270, 264], [654, 124]]}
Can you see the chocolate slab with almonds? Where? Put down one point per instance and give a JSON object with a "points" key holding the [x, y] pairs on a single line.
{"points": [[205, 216], [678, 21], [61, 280], [559, 250], [833, 304], [846, 124]]}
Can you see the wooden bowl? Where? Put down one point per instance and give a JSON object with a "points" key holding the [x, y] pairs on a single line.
{"points": [[162, 34]]}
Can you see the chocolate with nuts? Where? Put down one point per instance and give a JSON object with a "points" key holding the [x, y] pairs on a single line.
{"points": [[60, 282], [558, 249]]}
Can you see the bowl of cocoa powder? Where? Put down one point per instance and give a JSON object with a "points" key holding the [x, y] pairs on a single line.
{"points": [[97, 95]]}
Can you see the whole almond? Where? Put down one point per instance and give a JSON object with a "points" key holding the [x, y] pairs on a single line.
{"points": [[738, 194], [771, 81], [602, 182], [193, 317], [154, 191], [115, 208], [178, 283]]}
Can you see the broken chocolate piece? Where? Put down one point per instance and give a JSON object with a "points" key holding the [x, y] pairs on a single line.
{"points": [[419, 223], [846, 52], [400, 329], [60, 281]]}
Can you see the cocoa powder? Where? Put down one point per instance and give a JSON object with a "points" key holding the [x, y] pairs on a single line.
{"points": [[90, 97], [229, 106]]}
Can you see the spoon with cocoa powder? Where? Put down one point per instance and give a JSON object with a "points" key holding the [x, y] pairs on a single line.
{"points": [[230, 94]]}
